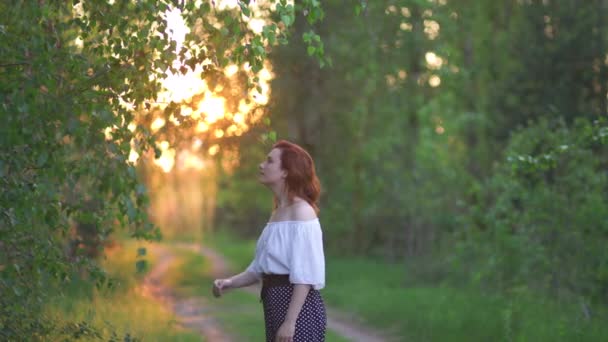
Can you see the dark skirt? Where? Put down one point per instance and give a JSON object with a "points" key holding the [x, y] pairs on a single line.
{"points": [[310, 324]]}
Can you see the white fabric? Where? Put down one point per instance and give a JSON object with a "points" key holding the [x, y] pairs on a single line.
{"points": [[294, 248]]}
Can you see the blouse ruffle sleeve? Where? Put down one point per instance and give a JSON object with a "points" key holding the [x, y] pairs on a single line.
{"points": [[254, 267], [306, 258]]}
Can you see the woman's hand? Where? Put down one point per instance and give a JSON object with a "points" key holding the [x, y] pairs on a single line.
{"points": [[219, 285], [286, 332]]}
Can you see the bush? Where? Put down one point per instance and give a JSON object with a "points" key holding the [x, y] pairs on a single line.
{"points": [[539, 222]]}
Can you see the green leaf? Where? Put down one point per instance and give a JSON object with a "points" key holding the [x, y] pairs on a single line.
{"points": [[140, 189], [43, 157], [130, 209], [308, 36], [141, 266], [245, 9], [287, 20], [259, 50], [272, 135]]}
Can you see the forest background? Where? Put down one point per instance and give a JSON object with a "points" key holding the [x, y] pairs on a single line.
{"points": [[464, 142]]}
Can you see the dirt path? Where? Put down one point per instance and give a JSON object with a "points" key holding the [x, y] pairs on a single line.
{"points": [[190, 312], [340, 322]]}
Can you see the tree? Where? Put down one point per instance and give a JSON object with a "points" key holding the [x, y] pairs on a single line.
{"points": [[75, 73]]}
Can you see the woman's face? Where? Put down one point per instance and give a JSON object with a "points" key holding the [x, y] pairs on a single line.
{"points": [[270, 169]]}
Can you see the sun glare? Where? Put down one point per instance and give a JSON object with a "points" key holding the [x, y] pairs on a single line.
{"points": [[167, 158], [213, 107], [433, 61], [176, 27], [213, 150], [133, 156], [231, 70], [257, 25], [180, 87], [238, 118], [157, 124], [434, 81], [431, 28], [202, 127], [208, 108], [189, 160]]}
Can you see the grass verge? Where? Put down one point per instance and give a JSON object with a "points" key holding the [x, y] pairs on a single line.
{"points": [[374, 291], [120, 313]]}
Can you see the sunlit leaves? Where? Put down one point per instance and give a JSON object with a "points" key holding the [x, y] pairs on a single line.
{"points": [[71, 83], [244, 8], [55, 162]]}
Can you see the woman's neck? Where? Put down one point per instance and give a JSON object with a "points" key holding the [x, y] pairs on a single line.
{"points": [[283, 200], [282, 196]]}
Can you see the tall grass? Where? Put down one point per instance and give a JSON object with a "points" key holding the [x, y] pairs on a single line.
{"points": [[123, 311]]}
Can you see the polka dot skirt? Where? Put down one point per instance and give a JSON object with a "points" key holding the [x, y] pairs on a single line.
{"points": [[311, 323]]}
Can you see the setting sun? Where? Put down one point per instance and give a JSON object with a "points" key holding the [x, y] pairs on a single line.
{"points": [[213, 107], [211, 112]]}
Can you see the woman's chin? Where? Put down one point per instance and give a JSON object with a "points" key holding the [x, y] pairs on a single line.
{"points": [[267, 183]]}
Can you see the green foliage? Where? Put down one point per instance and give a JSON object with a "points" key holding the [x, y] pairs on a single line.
{"points": [[57, 100], [539, 222], [360, 120], [74, 73], [473, 179]]}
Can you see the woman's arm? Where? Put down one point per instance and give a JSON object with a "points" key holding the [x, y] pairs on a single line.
{"points": [[300, 291], [240, 280], [288, 328], [243, 279]]}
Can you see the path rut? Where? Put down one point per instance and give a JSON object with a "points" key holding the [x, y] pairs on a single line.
{"points": [[190, 312]]}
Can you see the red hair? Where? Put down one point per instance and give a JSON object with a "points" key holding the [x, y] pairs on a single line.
{"points": [[301, 177]]}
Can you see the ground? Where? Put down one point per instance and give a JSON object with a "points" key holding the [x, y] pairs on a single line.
{"points": [[196, 313]]}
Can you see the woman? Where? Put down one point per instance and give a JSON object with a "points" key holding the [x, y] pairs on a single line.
{"points": [[289, 258]]}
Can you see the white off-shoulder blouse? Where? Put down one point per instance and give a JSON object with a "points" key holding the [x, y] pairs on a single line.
{"points": [[294, 248]]}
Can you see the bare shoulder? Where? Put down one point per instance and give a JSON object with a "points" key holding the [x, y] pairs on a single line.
{"points": [[303, 211]]}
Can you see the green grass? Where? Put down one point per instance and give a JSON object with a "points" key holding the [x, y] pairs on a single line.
{"points": [[375, 291], [451, 314], [123, 310]]}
